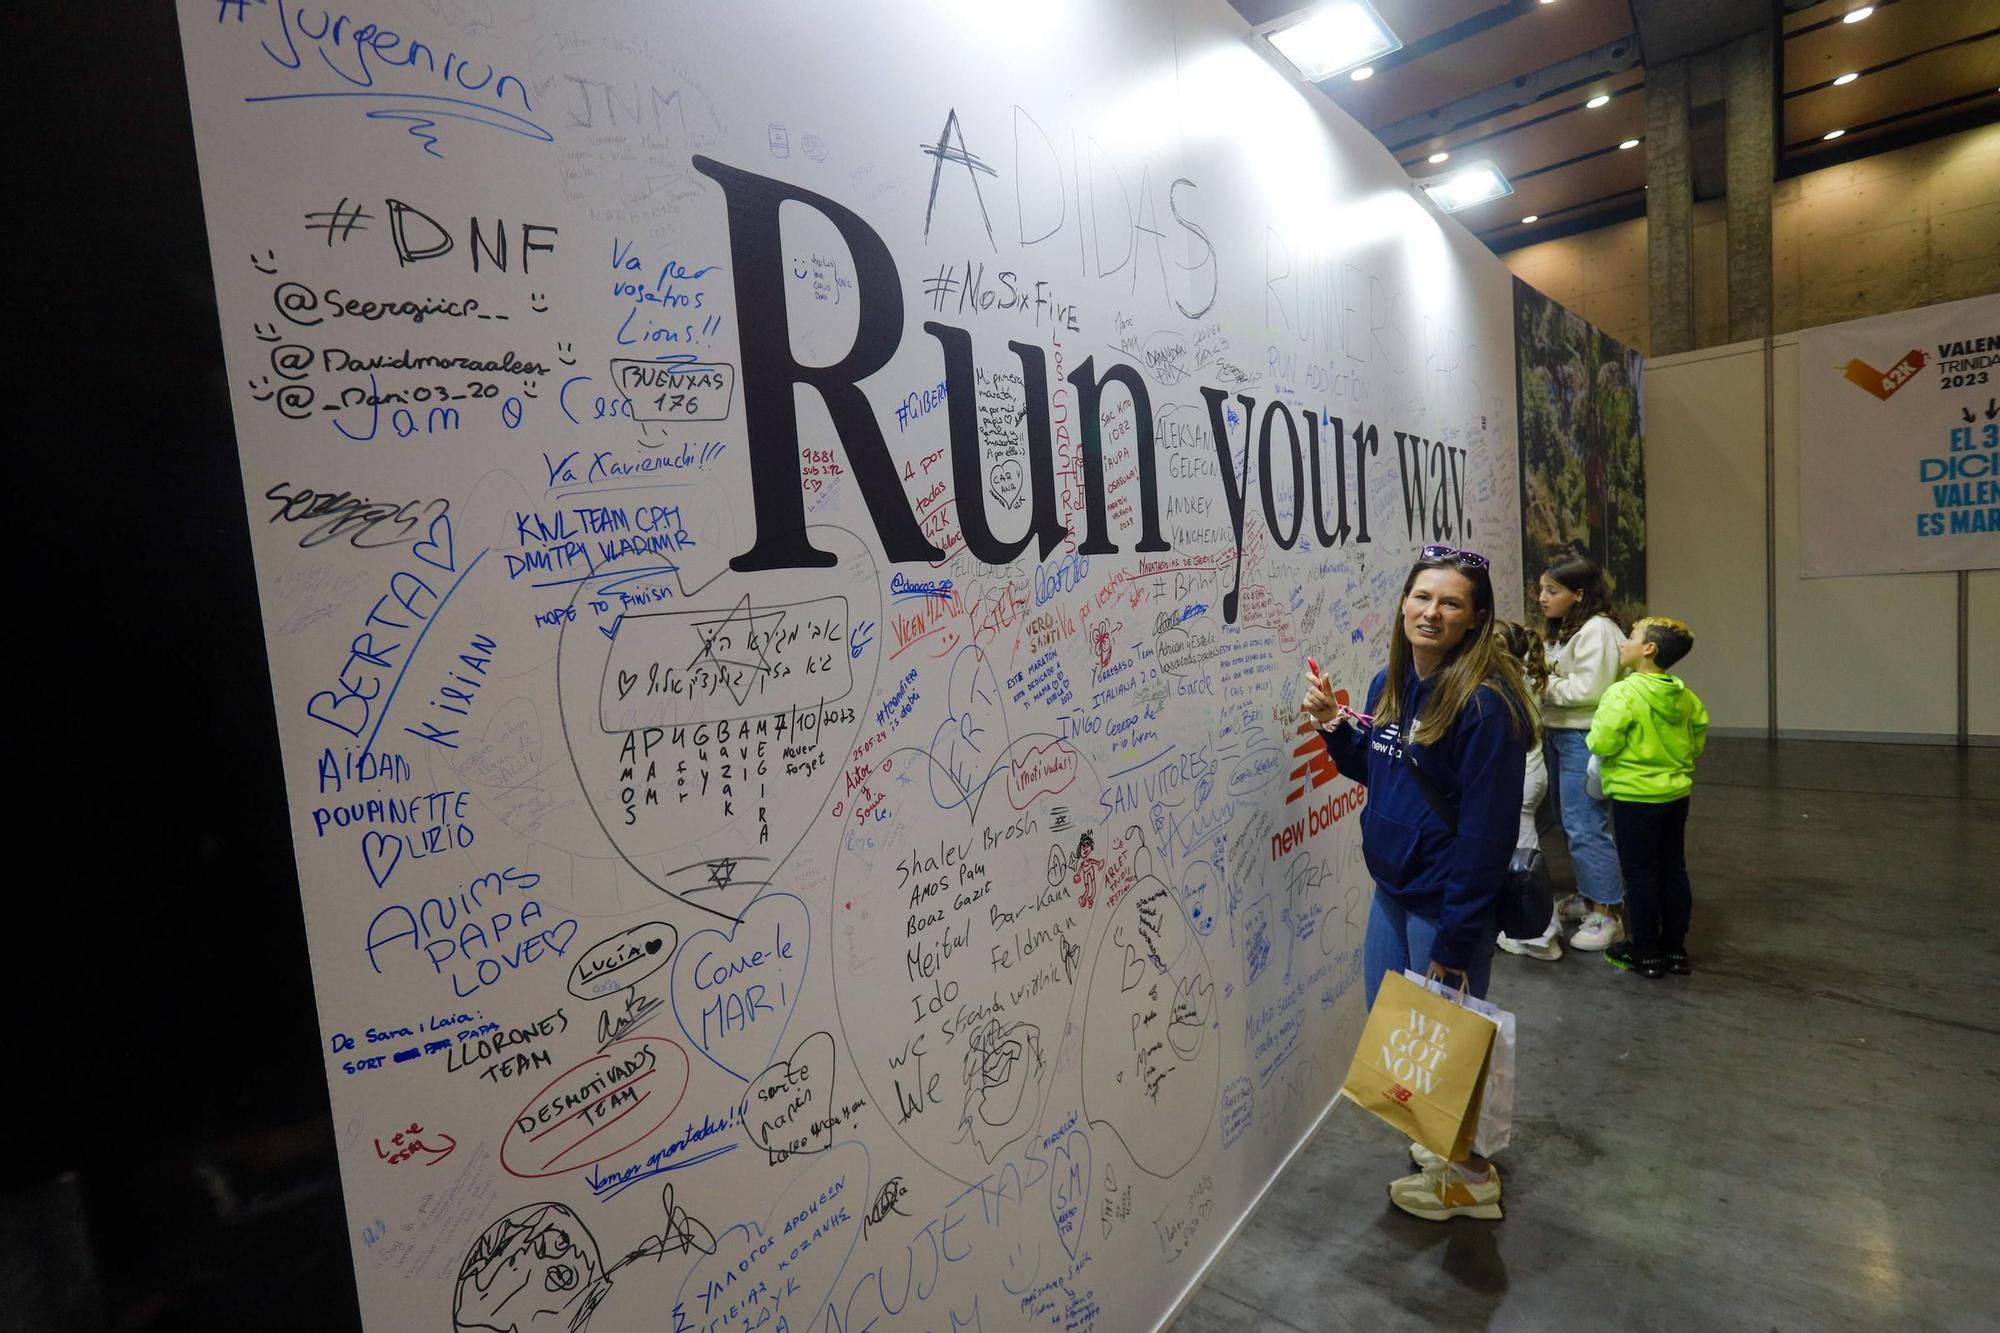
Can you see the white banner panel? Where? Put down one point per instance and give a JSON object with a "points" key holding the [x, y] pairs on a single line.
{"points": [[1899, 442], [788, 538]]}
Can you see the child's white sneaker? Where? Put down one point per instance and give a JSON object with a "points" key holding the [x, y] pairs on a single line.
{"points": [[1548, 950], [1572, 909], [1599, 931]]}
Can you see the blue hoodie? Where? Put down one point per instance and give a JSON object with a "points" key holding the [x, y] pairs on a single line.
{"points": [[1478, 766]]}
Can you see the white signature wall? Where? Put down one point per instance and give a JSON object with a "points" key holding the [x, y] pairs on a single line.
{"points": [[789, 537]]}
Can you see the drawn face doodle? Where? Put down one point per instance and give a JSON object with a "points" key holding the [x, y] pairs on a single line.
{"points": [[537, 1268], [1001, 1063]]}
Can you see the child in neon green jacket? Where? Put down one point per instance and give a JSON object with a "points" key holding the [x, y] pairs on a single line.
{"points": [[1647, 732]]}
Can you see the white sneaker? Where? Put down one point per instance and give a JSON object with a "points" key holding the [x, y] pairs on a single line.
{"points": [[1548, 950], [1573, 908], [1599, 931]]}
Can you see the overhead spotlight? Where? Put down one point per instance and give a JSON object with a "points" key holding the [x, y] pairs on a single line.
{"points": [[1436, 158], [1469, 185], [1629, 143], [1548, 2], [1856, 15], [1844, 80], [1533, 217], [1597, 101], [1333, 38], [1365, 72], [1833, 134]]}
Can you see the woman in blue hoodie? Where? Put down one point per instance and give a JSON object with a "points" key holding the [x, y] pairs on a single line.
{"points": [[1442, 748]]}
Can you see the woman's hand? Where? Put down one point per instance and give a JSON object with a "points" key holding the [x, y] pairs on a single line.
{"points": [[1439, 972], [1319, 705]]}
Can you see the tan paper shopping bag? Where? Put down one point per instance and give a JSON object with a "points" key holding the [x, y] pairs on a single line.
{"points": [[1421, 1066]]}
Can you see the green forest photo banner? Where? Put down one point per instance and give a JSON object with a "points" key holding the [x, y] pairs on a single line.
{"points": [[1583, 463]]}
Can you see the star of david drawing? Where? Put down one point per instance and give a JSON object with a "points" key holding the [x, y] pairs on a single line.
{"points": [[745, 659]]}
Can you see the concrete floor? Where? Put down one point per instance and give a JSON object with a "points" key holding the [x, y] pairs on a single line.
{"points": [[1801, 1136]]}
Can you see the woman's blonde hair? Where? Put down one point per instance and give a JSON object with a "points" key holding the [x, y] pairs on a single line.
{"points": [[1481, 660]]}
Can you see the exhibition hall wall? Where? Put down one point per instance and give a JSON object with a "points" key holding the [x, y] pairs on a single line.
{"points": [[1874, 657], [1910, 227]]}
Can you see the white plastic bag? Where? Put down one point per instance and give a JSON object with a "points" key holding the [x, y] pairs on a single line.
{"points": [[1496, 1100]]}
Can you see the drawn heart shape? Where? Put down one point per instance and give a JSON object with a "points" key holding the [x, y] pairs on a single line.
{"points": [[1007, 482], [374, 847], [796, 1274], [1069, 1188], [788, 1109], [432, 543], [331, 715], [676, 845], [741, 985], [967, 746], [626, 680], [566, 929]]}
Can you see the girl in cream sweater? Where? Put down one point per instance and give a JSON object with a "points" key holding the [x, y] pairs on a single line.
{"points": [[1582, 643]]}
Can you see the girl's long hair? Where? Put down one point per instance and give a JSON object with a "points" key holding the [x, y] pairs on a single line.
{"points": [[1525, 646], [1586, 580], [1480, 661]]}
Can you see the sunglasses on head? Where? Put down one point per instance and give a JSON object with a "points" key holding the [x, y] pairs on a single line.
{"points": [[1470, 559]]}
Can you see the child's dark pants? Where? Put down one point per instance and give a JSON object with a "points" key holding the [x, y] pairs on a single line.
{"points": [[1652, 851]]}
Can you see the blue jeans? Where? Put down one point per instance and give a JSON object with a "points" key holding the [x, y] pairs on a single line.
{"points": [[1584, 820], [1396, 939]]}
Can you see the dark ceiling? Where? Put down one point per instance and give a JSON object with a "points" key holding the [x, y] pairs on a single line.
{"points": [[1508, 81]]}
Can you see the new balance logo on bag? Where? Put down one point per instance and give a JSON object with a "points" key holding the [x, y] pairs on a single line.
{"points": [[1412, 1054]]}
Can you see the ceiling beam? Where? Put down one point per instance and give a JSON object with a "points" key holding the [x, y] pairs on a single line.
{"points": [[1549, 81], [1673, 29]]}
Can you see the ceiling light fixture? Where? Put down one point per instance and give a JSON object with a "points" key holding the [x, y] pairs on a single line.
{"points": [[1332, 39], [1469, 185], [1436, 158], [1845, 79], [1365, 72], [1597, 101], [1833, 134], [1532, 217], [1629, 143], [1856, 15]]}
